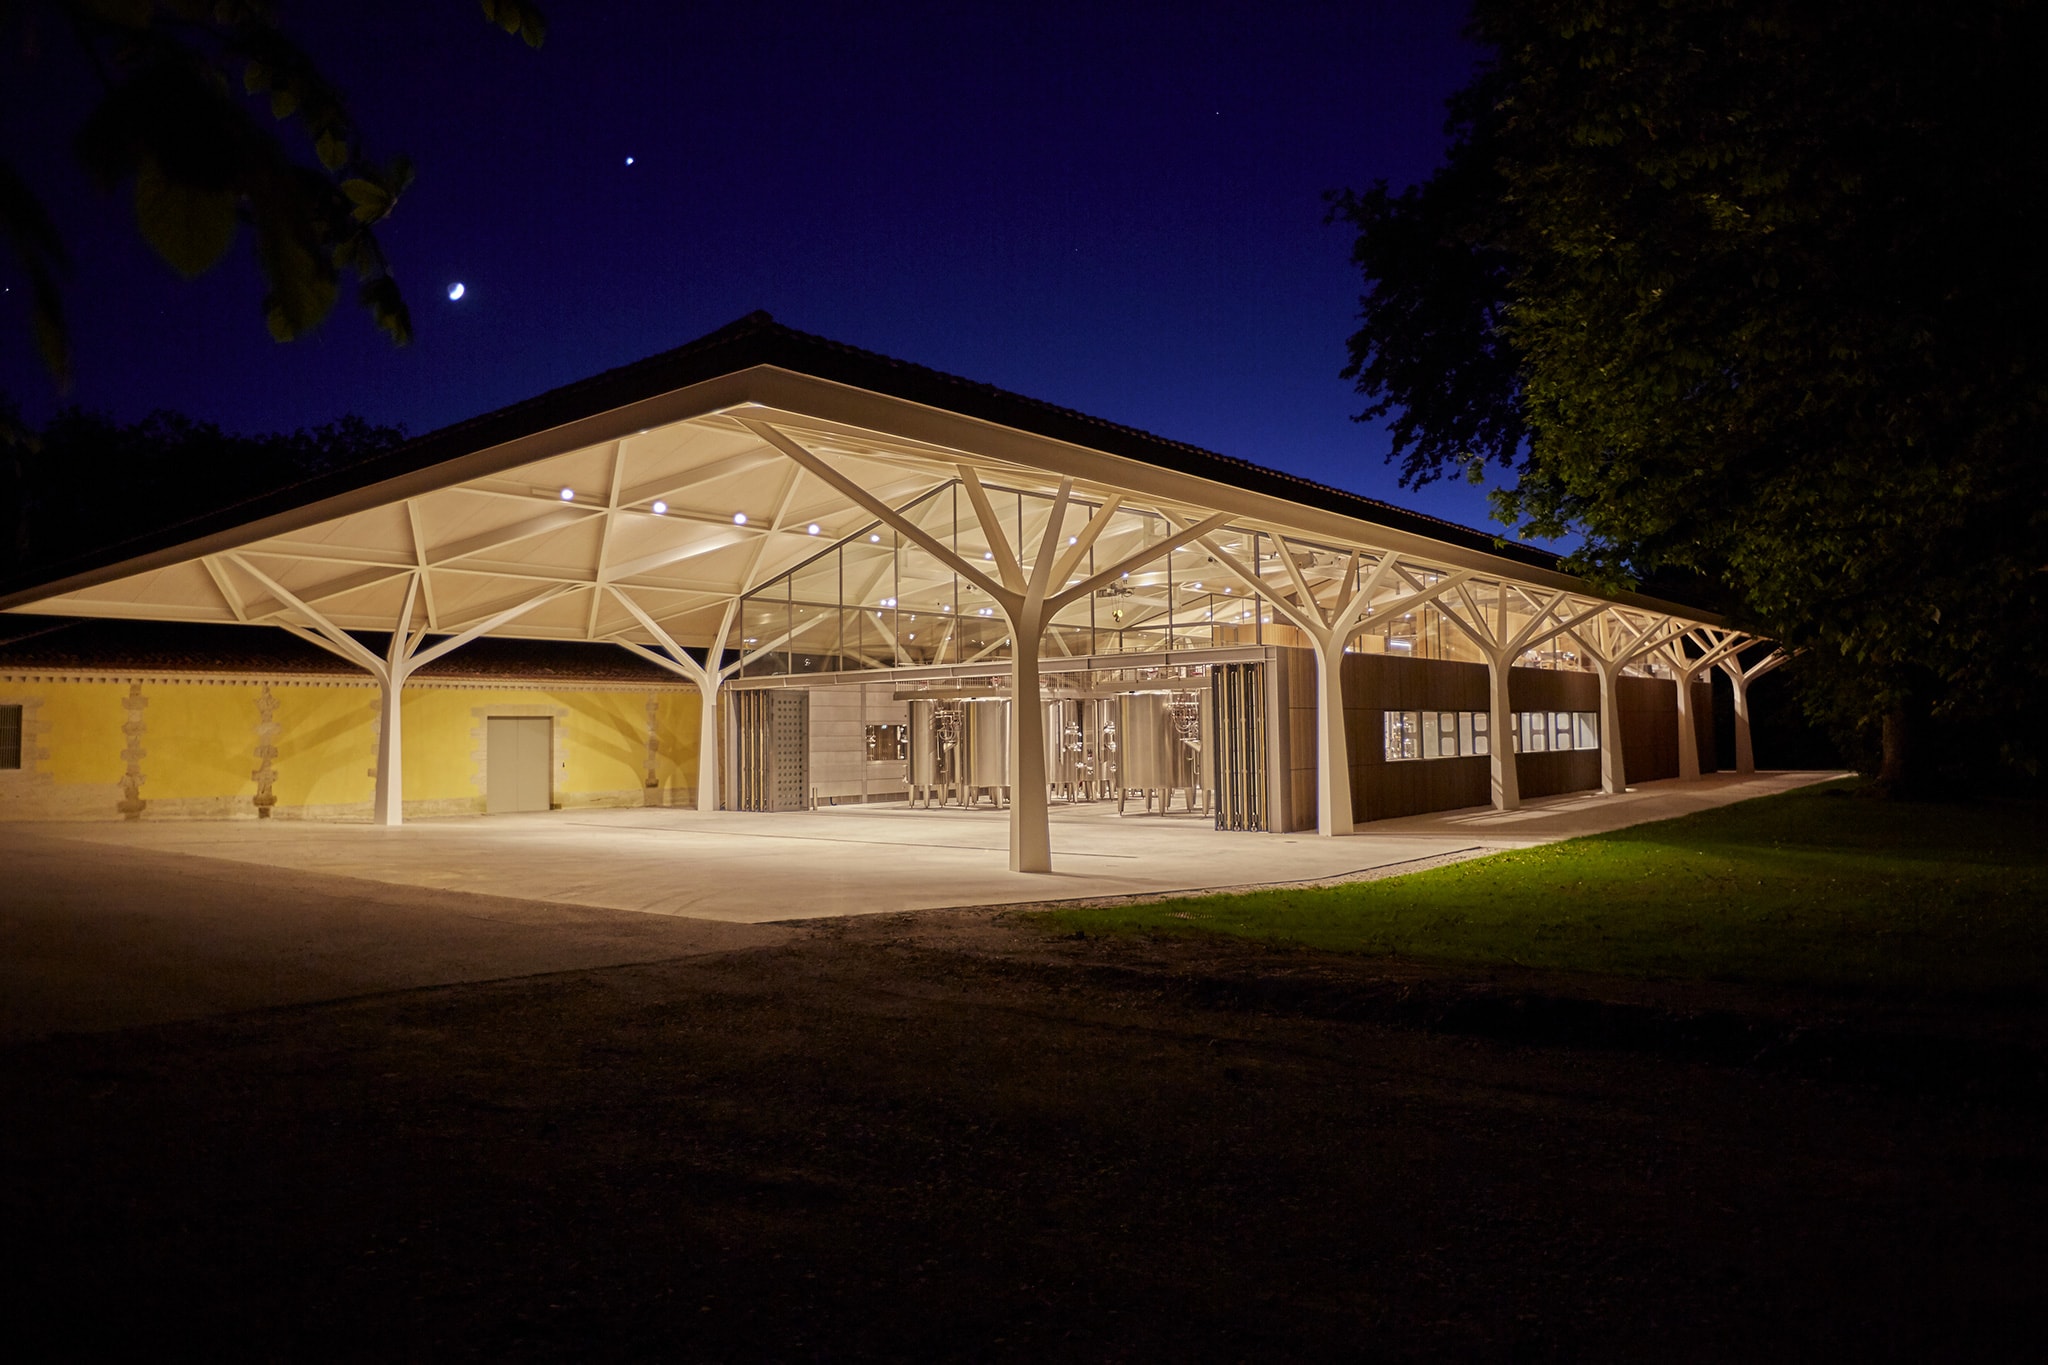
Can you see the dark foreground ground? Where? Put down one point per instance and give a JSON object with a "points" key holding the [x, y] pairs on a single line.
{"points": [[947, 1136]]}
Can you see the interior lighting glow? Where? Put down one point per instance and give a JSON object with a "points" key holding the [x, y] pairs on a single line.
{"points": [[875, 540], [812, 529], [888, 601], [988, 554], [739, 518], [568, 495], [660, 508], [1073, 540]]}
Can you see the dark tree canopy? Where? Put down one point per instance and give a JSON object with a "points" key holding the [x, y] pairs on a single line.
{"points": [[1750, 291], [93, 483], [195, 101]]}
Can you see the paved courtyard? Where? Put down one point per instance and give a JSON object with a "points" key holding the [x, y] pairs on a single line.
{"points": [[113, 925], [849, 860]]}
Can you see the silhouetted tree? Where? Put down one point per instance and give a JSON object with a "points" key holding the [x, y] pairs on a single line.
{"points": [[93, 482], [1749, 291]]}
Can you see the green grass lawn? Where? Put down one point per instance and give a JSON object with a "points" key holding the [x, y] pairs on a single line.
{"points": [[1815, 888]]}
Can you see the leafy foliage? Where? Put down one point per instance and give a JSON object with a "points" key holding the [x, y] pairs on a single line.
{"points": [[203, 160], [93, 482], [1764, 282]]}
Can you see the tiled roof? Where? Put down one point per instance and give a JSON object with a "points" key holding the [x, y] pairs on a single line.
{"points": [[60, 644]]}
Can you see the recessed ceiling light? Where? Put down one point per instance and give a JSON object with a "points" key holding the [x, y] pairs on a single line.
{"points": [[739, 518], [812, 529], [568, 495], [660, 508], [875, 539]]}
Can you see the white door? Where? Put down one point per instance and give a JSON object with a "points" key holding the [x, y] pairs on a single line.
{"points": [[518, 762]]}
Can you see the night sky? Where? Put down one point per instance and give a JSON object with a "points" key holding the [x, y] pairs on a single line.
{"points": [[1114, 207]]}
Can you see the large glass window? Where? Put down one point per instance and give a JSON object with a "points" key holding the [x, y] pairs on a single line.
{"points": [[1403, 735], [1538, 732], [1434, 734]]}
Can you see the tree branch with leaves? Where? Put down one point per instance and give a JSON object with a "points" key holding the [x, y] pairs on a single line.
{"points": [[215, 119]]}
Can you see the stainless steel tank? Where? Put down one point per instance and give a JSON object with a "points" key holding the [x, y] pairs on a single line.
{"points": [[924, 744], [1145, 749], [986, 731]]}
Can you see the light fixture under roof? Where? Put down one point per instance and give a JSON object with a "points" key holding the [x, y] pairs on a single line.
{"points": [[739, 518], [875, 539], [568, 495], [812, 529], [660, 508]]}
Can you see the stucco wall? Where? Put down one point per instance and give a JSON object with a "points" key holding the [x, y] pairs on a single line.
{"points": [[152, 747]]}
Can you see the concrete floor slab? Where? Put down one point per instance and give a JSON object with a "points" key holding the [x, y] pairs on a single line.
{"points": [[755, 868]]}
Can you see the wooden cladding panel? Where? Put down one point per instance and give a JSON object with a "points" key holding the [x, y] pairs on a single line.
{"points": [[1574, 770]]}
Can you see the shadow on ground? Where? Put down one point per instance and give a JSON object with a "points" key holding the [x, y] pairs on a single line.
{"points": [[948, 1137]]}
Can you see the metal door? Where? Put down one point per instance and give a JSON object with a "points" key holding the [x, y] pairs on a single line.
{"points": [[772, 770], [518, 763], [1237, 733]]}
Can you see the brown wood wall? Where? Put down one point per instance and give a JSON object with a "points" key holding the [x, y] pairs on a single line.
{"points": [[1376, 683], [1649, 727]]}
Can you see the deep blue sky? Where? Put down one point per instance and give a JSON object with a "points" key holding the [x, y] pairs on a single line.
{"points": [[1116, 207]]}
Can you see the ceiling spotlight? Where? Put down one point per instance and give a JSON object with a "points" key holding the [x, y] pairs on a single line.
{"points": [[568, 495], [739, 518], [812, 529], [988, 554], [875, 539], [1073, 540], [660, 508]]}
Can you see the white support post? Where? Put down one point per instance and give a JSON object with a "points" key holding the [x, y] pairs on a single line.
{"points": [[1028, 606], [1501, 647], [1613, 762], [1613, 643], [1329, 629], [1504, 778], [1688, 732], [1745, 747], [387, 805], [1739, 679], [402, 658], [1714, 647], [708, 676]]}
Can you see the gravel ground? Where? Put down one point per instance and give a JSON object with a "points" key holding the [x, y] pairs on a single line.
{"points": [[947, 1136]]}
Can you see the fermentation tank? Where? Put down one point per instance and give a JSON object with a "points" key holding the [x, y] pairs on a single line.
{"points": [[986, 730]]}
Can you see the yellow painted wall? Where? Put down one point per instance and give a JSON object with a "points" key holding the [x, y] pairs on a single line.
{"points": [[326, 746], [88, 716], [200, 740]]}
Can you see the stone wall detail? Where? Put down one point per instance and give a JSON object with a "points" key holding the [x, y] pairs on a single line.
{"points": [[267, 732], [131, 804]]}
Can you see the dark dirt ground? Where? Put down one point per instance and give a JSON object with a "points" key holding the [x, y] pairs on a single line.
{"points": [[946, 1136]]}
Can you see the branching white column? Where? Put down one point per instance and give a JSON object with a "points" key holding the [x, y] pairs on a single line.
{"points": [[402, 658], [1500, 647], [1329, 628], [1613, 643], [1714, 646], [1028, 603], [709, 677], [1739, 679]]}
